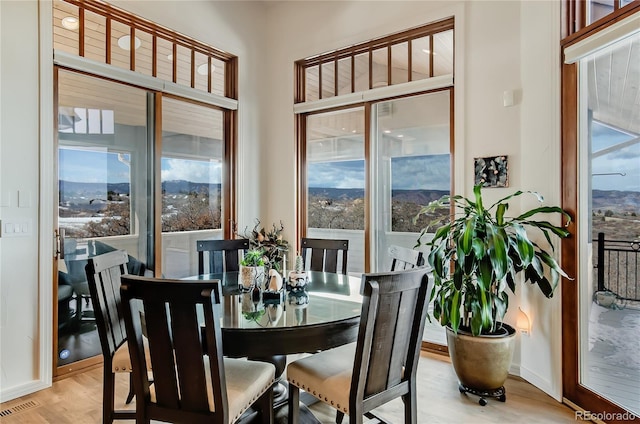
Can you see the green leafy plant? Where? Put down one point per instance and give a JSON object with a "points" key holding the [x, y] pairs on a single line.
{"points": [[253, 257], [479, 254], [254, 315]]}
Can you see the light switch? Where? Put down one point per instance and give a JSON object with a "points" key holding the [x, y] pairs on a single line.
{"points": [[24, 199]]}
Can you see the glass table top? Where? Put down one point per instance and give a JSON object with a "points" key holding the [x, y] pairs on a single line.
{"points": [[326, 298]]}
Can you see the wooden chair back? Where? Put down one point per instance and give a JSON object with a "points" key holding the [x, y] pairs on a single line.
{"points": [[223, 255], [389, 338], [404, 258], [104, 274], [174, 334], [324, 254]]}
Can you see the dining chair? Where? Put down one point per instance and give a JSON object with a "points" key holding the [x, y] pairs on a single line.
{"points": [[404, 258], [103, 279], [381, 365], [223, 255], [79, 280], [324, 254], [189, 386]]}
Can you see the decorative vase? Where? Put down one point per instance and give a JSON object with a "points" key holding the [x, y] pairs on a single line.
{"points": [[274, 282], [250, 277], [481, 362]]}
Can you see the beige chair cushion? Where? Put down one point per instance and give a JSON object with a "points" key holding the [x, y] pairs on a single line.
{"points": [[121, 360], [246, 382], [326, 375]]}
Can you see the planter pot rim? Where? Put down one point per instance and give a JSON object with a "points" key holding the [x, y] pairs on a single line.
{"points": [[505, 331]]}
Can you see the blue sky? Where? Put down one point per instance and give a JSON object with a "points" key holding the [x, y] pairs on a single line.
{"points": [[625, 161], [97, 167], [434, 173]]}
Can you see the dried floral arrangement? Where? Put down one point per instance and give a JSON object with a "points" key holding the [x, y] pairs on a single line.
{"points": [[271, 242]]}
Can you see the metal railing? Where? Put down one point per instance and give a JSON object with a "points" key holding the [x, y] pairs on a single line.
{"points": [[618, 267]]}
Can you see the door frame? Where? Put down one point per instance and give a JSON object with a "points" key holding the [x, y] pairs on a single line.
{"points": [[573, 392]]}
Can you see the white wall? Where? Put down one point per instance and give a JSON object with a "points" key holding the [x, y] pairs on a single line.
{"points": [[500, 46], [19, 288], [539, 170]]}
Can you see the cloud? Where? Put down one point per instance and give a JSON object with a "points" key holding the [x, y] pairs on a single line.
{"points": [[191, 170], [421, 172], [345, 174], [408, 173]]}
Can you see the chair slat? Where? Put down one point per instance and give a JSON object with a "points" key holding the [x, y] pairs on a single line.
{"points": [[186, 334], [223, 255], [161, 346], [404, 258], [324, 254]]}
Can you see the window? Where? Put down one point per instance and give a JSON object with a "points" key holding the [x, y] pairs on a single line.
{"points": [[191, 177], [145, 150], [411, 55], [101, 205], [370, 161], [105, 34]]}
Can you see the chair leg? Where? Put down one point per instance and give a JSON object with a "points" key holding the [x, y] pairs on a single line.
{"points": [[266, 406], [131, 393], [339, 417], [410, 407], [108, 388], [294, 404]]}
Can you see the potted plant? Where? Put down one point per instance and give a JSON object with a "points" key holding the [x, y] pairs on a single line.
{"points": [[476, 259], [251, 269]]}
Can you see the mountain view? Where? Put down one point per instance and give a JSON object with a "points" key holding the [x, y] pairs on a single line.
{"points": [[83, 204]]}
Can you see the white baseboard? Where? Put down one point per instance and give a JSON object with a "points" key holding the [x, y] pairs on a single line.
{"points": [[22, 390]]}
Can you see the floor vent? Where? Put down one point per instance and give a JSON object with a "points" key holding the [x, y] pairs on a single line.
{"points": [[19, 408]]}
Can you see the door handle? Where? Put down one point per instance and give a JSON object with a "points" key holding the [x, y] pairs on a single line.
{"points": [[59, 237]]}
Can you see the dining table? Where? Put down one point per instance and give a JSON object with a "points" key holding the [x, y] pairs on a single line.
{"points": [[269, 325]]}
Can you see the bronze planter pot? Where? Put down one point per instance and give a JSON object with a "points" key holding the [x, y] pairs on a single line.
{"points": [[481, 362]]}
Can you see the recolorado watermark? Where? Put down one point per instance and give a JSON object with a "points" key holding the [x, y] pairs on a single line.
{"points": [[604, 416]]}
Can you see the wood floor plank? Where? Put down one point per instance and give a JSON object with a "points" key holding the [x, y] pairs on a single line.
{"points": [[78, 399]]}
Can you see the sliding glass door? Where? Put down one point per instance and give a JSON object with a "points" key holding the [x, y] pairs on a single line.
{"points": [[191, 178], [102, 194], [335, 178], [137, 171], [609, 297], [368, 187], [411, 163]]}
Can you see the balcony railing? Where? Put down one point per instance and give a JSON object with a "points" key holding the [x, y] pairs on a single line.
{"points": [[618, 267]]}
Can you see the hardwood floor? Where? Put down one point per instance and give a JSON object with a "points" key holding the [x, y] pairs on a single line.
{"points": [[78, 399]]}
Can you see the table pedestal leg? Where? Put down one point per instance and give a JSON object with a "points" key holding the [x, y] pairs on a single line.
{"points": [[281, 394]]}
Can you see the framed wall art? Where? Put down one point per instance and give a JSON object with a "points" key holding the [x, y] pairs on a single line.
{"points": [[492, 171]]}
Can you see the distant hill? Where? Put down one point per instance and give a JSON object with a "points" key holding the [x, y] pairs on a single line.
{"points": [[421, 197], [616, 201], [182, 186], [68, 188], [337, 193]]}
